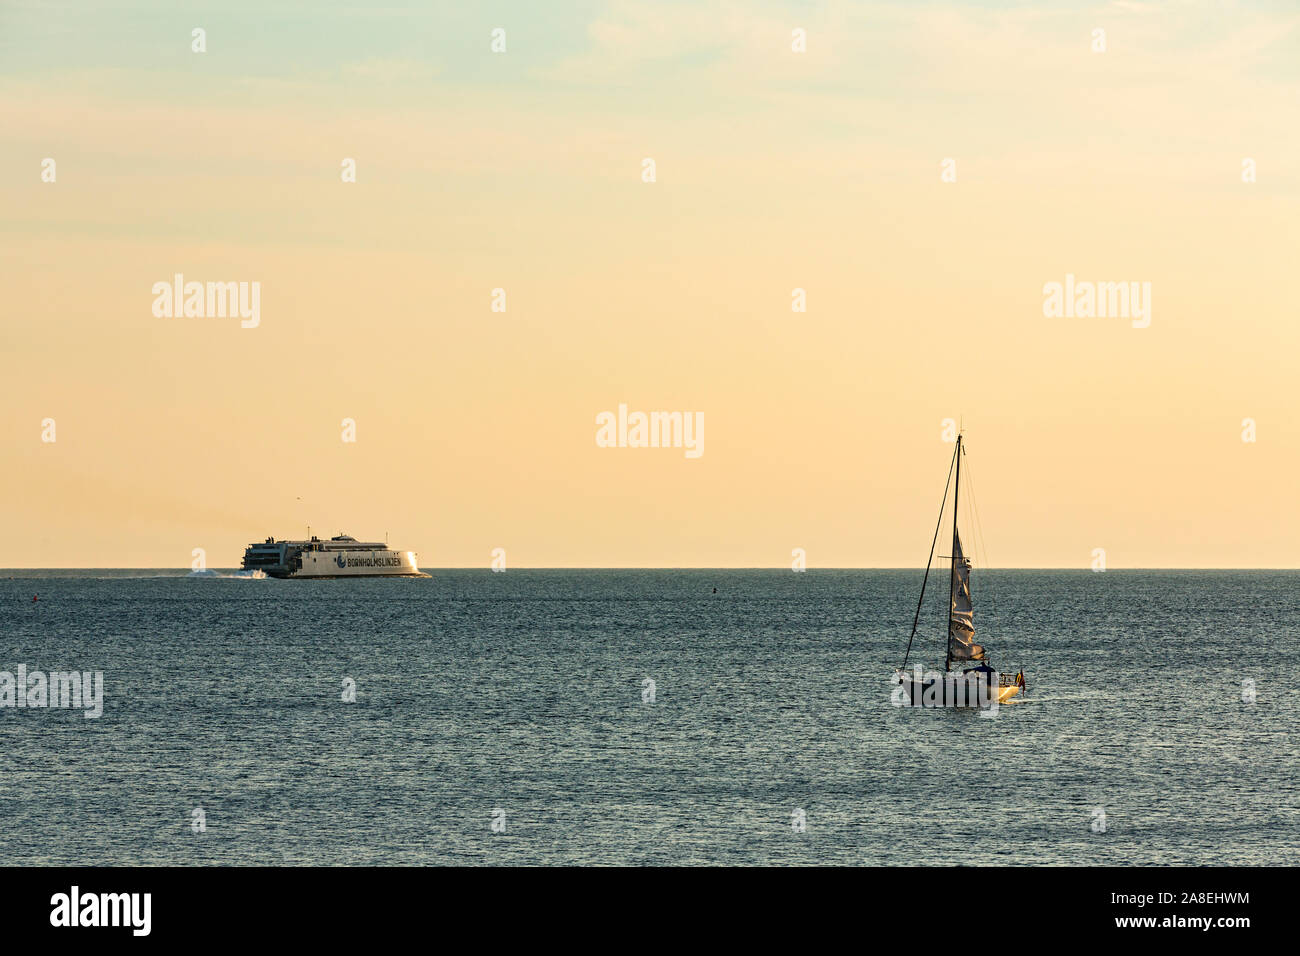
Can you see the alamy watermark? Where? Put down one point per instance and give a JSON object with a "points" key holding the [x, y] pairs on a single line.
{"points": [[81, 690], [651, 430], [210, 300], [1086, 300], [75, 908]]}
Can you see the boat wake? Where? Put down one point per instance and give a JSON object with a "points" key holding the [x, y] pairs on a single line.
{"points": [[234, 576]]}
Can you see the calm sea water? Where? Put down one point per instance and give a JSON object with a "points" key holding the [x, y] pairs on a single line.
{"points": [[523, 692]]}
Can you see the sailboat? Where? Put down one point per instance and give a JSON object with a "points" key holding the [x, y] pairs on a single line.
{"points": [[978, 685]]}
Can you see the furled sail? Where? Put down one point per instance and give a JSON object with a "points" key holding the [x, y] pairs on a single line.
{"points": [[961, 616]]}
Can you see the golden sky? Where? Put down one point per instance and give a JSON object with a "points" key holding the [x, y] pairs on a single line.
{"points": [[775, 170]]}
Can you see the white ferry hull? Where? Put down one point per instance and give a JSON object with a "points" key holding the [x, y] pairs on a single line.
{"points": [[358, 564]]}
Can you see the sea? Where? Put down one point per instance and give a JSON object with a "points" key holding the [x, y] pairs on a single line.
{"points": [[649, 717]]}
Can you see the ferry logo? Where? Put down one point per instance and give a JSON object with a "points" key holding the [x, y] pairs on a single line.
{"points": [[341, 561]]}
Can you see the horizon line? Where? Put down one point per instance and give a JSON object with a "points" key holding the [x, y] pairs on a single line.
{"points": [[565, 567]]}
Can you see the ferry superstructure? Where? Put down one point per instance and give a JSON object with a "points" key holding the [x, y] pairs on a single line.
{"points": [[342, 556]]}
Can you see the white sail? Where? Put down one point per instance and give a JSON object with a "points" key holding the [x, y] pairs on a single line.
{"points": [[961, 616]]}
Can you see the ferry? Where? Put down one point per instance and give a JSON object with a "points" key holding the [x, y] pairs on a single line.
{"points": [[342, 556]]}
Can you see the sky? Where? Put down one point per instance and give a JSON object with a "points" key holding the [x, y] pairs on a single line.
{"points": [[774, 170]]}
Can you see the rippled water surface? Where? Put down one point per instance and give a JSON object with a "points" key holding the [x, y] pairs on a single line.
{"points": [[523, 693]]}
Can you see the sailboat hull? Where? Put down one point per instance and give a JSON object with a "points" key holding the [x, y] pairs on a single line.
{"points": [[958, 690]]}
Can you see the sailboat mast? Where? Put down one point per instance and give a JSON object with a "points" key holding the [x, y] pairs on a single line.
{"points": [[947, 614], [938, 523]]}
